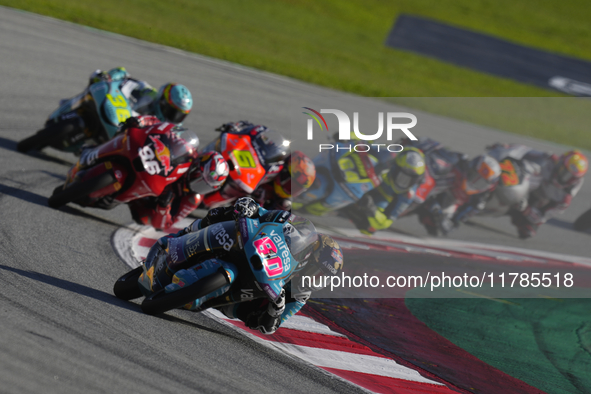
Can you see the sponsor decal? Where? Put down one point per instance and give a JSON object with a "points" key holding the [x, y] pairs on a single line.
{"points": [[283, 216], [222, 237], [337, 255], [330, 267], [244, 229], [89, 156], [246, 294], [162, 153], [270, 292]]}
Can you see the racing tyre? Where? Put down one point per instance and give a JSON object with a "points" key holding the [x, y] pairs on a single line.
{"points": [[583, 222], [161, 301], [127, 287], [80, 190], [47, 135]]}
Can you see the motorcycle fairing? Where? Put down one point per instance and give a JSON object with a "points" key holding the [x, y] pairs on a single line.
{"points": [[268, 255], [247, 170]]}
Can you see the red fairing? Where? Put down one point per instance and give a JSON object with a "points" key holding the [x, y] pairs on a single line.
{"points": [[144, 161]]}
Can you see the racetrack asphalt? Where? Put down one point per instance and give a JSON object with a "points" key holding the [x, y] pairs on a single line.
{"points": [[62, 330]]}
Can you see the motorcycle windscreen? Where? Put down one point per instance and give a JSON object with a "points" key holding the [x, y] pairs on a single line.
{"points": [[300, 236]]}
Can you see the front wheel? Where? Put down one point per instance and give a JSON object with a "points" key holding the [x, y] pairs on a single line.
{"points": [[161, 301], [127, 287], [583, 222], [79, 190]]}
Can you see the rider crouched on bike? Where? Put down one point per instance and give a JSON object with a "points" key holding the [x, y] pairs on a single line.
{"points": [[207, 174], [377, 209], [278, 189], [462, 186], [554, 181], [171, 103], [321, 256]]}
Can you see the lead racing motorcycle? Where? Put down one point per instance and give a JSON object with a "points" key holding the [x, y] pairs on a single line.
{"points": [[225, 263], [90, 117]]}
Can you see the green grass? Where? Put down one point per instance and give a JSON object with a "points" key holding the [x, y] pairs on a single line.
{"points": [[340, 44]]}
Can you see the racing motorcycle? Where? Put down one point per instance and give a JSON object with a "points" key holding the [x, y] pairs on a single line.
{"points": [[91, 116], [342, 178], [514, 183], [254, 155], [232, 262], [137, 163]]}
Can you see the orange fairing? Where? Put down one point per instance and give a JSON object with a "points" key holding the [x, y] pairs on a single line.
{"points": [[509, 175], [247, 171]]}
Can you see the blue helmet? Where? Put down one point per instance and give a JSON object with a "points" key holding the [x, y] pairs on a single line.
{"points": [[173, 103]]}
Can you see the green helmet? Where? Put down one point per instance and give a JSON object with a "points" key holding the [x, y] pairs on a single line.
{"points": [[408, 170]]}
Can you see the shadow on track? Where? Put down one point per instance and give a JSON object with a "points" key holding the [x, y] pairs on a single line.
{"points": [[42, 201], [82, 214], [175, 319], [62, 178], [74, 288], [492, 229], [563, 224], [23, 195], [44, 156], [8, 144]]}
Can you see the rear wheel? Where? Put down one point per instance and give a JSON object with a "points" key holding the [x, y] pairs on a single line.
{"points": [[79, 190], [161, 301], [583, 222], [127, 287], [48, 135]]}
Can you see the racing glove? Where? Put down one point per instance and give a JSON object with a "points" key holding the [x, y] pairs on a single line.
{"points": [[267, 321]]}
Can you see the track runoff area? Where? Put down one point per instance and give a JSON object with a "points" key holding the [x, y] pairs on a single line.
{"points": [[383, 344]]}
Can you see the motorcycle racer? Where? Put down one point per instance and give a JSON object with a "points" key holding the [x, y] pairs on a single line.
{"points": [[462, 186], [378, 208], [317, 255], [207, 173], [170, 103], [553, 182]]}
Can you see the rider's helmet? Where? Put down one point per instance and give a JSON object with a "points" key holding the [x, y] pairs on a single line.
{"points": [[325, 260], [208, 173], [173, 103], [571, 167], [296, 176], [482, 175], [408, 170]]}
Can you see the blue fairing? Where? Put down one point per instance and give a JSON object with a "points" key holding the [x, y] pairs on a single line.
{"points": [[109, 103], [267, 253], [340, 177]]}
